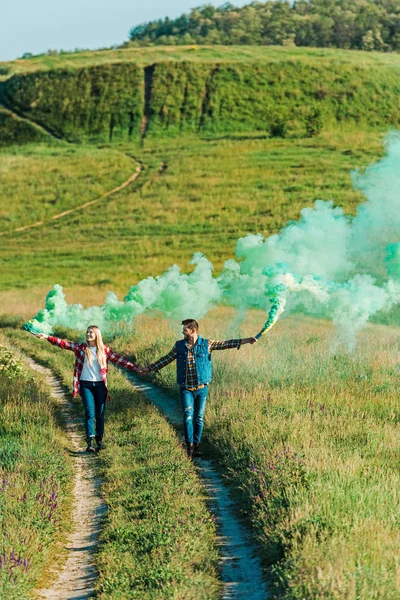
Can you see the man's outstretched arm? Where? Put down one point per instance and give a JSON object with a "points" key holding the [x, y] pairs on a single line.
{"points": [[227, 344]]}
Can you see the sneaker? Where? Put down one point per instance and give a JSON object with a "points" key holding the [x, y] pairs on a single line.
{"points": [[100, 445], [90, 445], [189, 449]]}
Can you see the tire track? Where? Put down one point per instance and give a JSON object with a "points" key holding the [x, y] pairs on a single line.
{"points": [[139, 169], [123, 185], [241, 570], [77, 578]]}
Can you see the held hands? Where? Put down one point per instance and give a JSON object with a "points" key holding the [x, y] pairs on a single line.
{"points": [[143, 370]]}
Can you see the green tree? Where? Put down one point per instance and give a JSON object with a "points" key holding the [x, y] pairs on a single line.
{"points": [[359, 24]]}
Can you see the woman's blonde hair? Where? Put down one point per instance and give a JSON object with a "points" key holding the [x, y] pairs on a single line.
{"points": [[101, 355]]}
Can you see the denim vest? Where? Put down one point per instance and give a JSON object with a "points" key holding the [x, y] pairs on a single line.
{"points": [[202, 359]]}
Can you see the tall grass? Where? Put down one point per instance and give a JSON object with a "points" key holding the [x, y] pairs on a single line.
{"points": [[158, 539], [310, 440], [35, 480]]}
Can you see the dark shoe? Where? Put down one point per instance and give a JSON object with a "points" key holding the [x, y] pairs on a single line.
{"points": [[90, 445], [189, 449], [100, 445], [196, 449]]}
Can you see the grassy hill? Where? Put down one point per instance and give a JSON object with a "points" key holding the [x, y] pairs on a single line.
{"points": [[212, 192], [154, 54], [122, 94], [218, 185]]}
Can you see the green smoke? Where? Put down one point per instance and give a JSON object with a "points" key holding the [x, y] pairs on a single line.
{"points": [[327, 264]]}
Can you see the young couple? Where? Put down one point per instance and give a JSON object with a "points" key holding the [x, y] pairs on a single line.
{"points": [[193, 368]]}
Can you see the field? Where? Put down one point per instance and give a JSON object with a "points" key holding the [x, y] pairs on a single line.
{"points": [[310, 440], [152, 54], [212, 192], [307, 435], [35, 467]]}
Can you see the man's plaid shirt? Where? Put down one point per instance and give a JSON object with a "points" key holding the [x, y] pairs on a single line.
{"points": [[79, 351], [191, 374]]}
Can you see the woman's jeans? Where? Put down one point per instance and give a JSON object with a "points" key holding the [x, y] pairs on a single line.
{"points": [[193, 407], [94, 395]]}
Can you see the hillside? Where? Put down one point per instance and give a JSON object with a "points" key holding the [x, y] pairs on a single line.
{"points": [[124, 94], [212, 192], [208, 53]]}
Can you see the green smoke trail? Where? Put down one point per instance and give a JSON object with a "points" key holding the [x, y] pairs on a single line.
{"points": [[327, 264], [173, 294], [277, 308]]}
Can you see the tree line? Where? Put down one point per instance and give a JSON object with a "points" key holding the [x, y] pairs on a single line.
{"points": [[350, 24]]}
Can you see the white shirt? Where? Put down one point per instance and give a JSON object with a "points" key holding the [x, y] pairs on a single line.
{"points": [[91, 372]]}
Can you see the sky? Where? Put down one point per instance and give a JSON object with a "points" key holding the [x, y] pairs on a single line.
{"points": [[39, 25]]}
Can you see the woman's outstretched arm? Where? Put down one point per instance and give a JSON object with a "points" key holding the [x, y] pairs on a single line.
{"points": [[64, 344]]}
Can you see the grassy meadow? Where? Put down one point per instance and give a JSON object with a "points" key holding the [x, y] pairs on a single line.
{"points": [[43, 181], [158, 539], [310, 441], [214, 190], [307, 436], [35, 479]]}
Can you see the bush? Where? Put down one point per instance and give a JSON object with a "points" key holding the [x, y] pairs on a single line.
{"points": [[10, 368], [278, 124], [107, 102], [314, 119]]}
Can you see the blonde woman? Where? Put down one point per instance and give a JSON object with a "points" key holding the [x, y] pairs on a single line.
{"points": [[90, 379]]}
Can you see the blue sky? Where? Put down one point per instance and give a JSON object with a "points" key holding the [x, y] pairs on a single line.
{"points": [[39, 25]]}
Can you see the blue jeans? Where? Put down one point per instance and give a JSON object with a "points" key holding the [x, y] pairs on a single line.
{"points": [[193, 407], [94, 395]]}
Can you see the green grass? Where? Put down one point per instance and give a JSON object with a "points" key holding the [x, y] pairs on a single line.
{"points": [[214, 190], [16, 131], [39, 182], [150, 55], [158, 539], [35, 480], [103, 96], [310, 441]]}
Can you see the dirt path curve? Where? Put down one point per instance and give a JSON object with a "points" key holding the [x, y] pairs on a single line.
{"points": [[240, 568], [76, 580], [123, 185]]}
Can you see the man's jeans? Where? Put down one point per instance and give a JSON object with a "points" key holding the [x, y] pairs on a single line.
{"points": [[193, 407], [94, 395]]}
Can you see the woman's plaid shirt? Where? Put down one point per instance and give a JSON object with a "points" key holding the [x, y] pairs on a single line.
{"points": [[191, 374], [79, 351]]}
